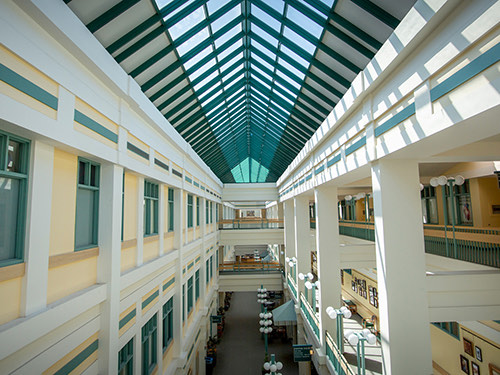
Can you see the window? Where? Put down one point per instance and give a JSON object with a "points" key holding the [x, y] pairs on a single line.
{"points": [[429, 205], [168, 323], [170, 210], [463, 208], [217, 259], [14, 157], [451, 328], [190, 295], [150, 208], [347, 209], [211, 213], [149, 346], [206, 212], [190, 211], [211, 266], [197, 285], [207, 271], [184, 302], [123, 203], [126, 359], [87, 204], [216, 213], [197, 211]]}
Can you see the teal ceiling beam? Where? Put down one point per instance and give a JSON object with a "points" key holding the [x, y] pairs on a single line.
{"points": [[377, 12], [129, 36], [155, 33], [111, 14]]}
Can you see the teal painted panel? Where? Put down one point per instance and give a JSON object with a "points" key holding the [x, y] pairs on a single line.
{"points": [[319, 170], [29, 88], [334, 160], [309, 176], [150, 299], [76, 361], [168, 283], [188, 179], [95, 126], [355, 146], [127, 318], [395, 120], [475, 67], [190, 265]]}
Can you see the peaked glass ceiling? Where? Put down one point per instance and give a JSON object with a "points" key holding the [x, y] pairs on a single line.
{"points": [[245, 82]]}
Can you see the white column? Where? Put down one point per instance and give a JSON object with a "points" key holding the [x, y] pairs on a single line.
{"points": [[178, 305], [108, 265], [140, 221], [38, 229], [302, 232], [161, 218], [328, 257], [403, 306], [202, 254], [289, 231]]}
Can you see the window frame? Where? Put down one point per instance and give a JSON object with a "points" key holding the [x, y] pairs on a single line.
{"points": [[149, 332], [126, 351], [427, 194], [448, 328], [189, 211], [197, 211], [197, 285], [22, 198], [96, 189], [190, 295], [168, 323], [171, 200], [151, 207]]}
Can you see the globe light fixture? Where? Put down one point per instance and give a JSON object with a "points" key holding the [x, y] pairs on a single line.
{"points": [[359, 339]]}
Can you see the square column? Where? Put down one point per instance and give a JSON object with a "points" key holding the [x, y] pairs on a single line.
{"points": [[108, 266], [302, 243], [289, 223], [328, 257], [404, 315]]}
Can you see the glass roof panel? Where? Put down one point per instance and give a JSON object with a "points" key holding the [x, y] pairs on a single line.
{"points": [[295, 57], [206, 80], [214, 5], [266, 18], [226, 18], [228, 35], [230, 49], [268, 38], [177, 10], [187, 23], [297, 39], [194, 75], [287, 78], [262, 62], [235, 71], [291, 68], [199, 56], [227, 65], [277, 5], [303, 21], [192, 42], [263, 49]]}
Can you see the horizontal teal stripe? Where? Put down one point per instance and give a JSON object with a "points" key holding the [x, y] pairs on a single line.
{"points": [[334, 160], [319, 170], [203, 188], [150, 299], [395, 120], [177, 173], [188, 179], [95, 126], [197, 259], [29, 88], [76, 361], [127, 318], [475, 67], [137, 150], [309, 176], [169, 283], [190, 265], [302, 181], [196, 184], [355, 146]]}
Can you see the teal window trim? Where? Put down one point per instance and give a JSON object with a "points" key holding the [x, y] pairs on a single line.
{"points": [[198, 211], [207, 271], [451, 328], [211, 267], [22, 177], [151, 191], [211, 212], [197, 285], [170, 209], [190, 295], [206, 212], [168, 323], [123, 205], [84, 182], [190, 211], [126, 358], [149, 342], [217, 260]]}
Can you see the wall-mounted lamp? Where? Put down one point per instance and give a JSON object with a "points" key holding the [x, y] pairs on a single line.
{"points": [[358, 339]]}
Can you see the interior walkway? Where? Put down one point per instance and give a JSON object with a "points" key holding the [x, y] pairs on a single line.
{"points": [[241, 350]]}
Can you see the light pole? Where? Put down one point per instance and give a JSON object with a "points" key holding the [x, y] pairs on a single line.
{"points": [[291, 263], [358, 339], [273, 366], [450, 181], [265, 325], [338, 315], [261, 297]]}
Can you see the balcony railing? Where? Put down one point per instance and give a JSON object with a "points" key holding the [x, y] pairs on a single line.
{"points": [[256, 223], [310, 315], [338, 361], [476, 245], [249, 267]]}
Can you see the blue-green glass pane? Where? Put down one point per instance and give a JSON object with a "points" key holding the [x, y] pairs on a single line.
{"points": [[9, 202]]}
